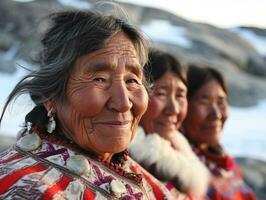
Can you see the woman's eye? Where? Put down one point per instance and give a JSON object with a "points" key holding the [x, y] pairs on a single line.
{"points": [[204, 101], [222, 103], [180, 95], [160, 93], [131, 81], [99, 79]]}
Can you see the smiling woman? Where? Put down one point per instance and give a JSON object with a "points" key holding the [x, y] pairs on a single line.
{"points": [[115, 87], [90, 95], [158, 145], [207, 113]]}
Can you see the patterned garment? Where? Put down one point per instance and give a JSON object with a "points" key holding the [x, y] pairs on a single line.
{"points": [[46, 173], [227, 180]]}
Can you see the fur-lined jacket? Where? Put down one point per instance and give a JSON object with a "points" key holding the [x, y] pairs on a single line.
{"points": [[173, 163]]}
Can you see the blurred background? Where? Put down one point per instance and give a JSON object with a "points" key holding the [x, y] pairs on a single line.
{"points": [[228, 35]]}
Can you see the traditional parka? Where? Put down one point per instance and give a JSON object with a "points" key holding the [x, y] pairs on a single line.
{"points": [[227, 181], [175, 164], [41, 167]]}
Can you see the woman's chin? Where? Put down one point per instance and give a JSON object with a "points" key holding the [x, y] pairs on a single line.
{"points": [[115, 147], [213, 141]]}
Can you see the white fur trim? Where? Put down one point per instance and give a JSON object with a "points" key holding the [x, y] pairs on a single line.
{"points": [[171, 163]]}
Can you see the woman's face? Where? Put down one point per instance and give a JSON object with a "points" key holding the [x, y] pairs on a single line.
{"points": [[167, 106], [105, 97], [207, 112]]}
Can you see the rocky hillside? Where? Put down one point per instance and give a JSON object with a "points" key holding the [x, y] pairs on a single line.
{"points": [[243, 66]]}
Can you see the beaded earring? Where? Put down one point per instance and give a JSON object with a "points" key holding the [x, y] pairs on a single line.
{"points": [[50, 127]]}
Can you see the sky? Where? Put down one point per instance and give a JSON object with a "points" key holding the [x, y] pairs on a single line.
{"points": [[221, 13]]}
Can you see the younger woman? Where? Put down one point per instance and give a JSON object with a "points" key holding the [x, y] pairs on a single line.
{"points": [[158, 146], [207, 113]]}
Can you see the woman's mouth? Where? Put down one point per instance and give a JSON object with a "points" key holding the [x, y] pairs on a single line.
{"points": [[117, 124]]}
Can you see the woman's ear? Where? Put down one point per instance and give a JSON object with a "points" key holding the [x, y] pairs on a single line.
{"points": [[49, 105]]}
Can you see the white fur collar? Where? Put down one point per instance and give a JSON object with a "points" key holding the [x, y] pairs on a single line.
{"points": [[178, 164]]}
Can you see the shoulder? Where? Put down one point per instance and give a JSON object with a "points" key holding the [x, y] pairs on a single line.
{"points": [[54, 165], [148, 148], [154, 188], [227, 180], [178, 164]]}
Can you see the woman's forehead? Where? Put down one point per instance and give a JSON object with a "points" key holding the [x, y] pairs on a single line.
{"points": [[209, 89], [118, 49], [168, 78], [120, 43]]}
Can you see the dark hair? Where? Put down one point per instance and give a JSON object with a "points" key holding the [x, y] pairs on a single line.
{"points": [[197, 76], [71, 35], [161, 62]]}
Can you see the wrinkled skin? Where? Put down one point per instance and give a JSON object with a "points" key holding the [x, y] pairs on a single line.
{"points": [[167, 106], [207, 113], [105, 98]]}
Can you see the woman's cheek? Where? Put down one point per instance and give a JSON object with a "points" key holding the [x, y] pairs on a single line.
{"points": [[184, 110], [88, 103], [225, 114], [154, 108], [139, 100], [199, 113]]}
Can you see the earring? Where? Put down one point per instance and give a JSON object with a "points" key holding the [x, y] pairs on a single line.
{"points": [[28, 126], [50, 127]]}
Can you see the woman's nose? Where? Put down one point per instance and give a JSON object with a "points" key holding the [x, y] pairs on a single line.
{"points": [[119, 98], [215, 112], [172, 106]]}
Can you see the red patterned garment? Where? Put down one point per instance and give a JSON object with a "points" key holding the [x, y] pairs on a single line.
{"points": [[56, 170], [227, 180]]}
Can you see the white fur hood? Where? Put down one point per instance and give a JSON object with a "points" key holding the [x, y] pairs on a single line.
{"points": [[179, 164]]}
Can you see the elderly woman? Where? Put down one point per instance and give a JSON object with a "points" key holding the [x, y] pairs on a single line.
{"points": [[89, 94], [207, 113], [158, 146]]}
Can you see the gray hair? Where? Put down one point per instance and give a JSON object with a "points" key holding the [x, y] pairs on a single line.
{"points": [[71, 35]]}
